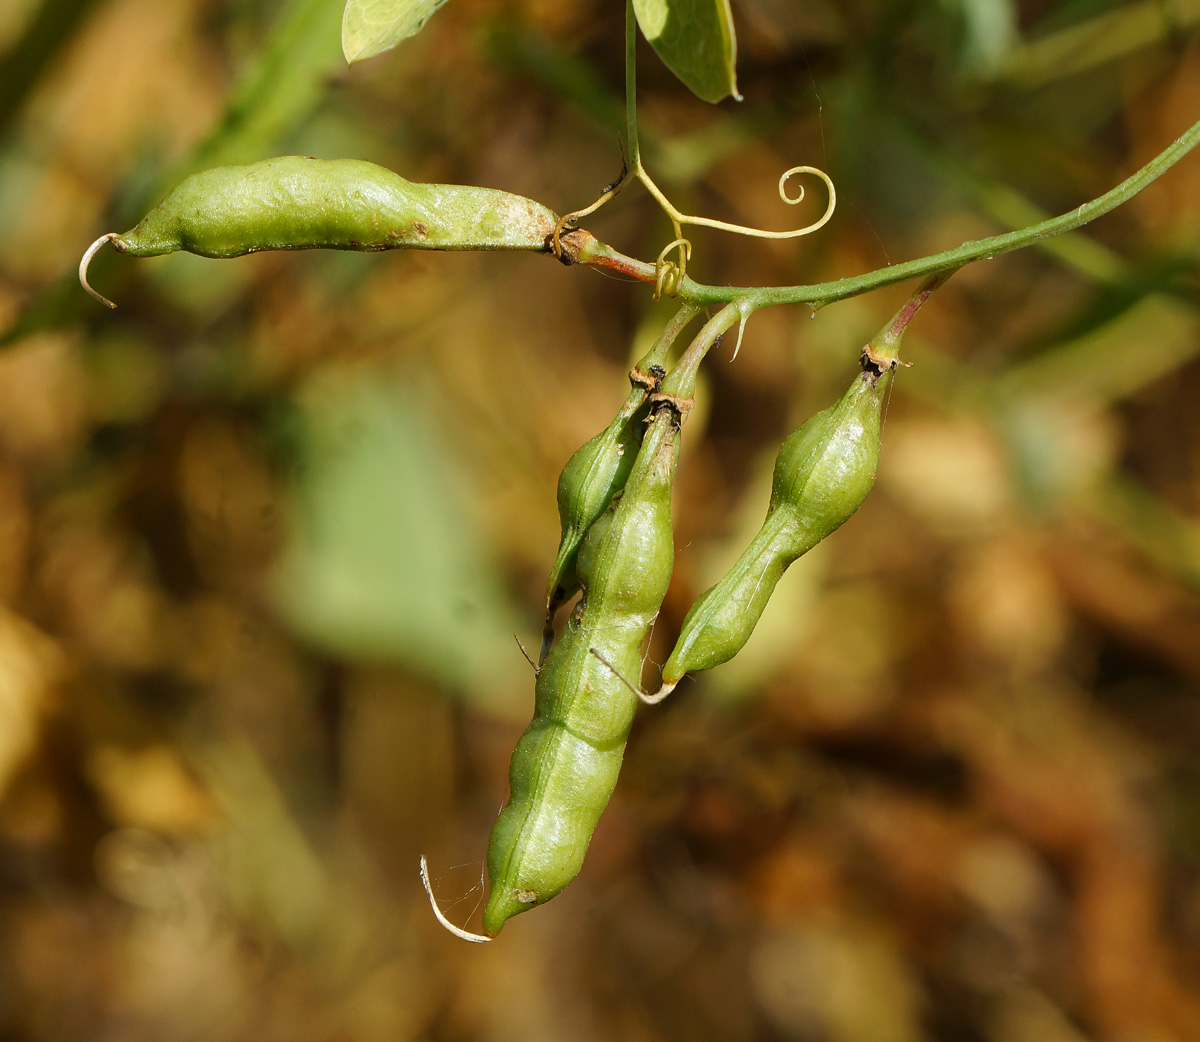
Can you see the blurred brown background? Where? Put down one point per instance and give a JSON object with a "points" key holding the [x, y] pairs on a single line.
{"points": [[267, 530]]}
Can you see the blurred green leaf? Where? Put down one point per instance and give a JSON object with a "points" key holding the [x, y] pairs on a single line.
{"points": [[276, 93], [1110, 35], [52, 26], [370, 27], [989, 34], [1118, 359], [696, 40], [386, 564]]}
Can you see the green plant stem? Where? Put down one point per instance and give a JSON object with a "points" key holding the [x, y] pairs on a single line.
{"points": [[885, 347], [683, 375], [592, 252], [631, 127]]}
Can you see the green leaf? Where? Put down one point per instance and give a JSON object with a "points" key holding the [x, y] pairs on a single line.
{"points": [[696, 40], [384, 562], [370, 27]]}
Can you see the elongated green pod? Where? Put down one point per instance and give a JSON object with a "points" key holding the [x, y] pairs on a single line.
{"points": [[298, 203], [599, 468], [596, 472], [823, 472], [565, 766]]}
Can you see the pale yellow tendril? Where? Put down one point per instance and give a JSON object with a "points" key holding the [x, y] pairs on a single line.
{"points": [[668, 276], [678, 219]]}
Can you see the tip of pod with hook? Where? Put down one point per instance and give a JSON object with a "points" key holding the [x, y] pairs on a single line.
{"points": [[86, 260], [458, 931]]}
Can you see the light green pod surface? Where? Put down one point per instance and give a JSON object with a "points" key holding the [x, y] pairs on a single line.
{"points": [[599, 469], [565, 766], [823, 472], [298, 203], [595, 473], [624, 569], [562, 774], [718, 625]]}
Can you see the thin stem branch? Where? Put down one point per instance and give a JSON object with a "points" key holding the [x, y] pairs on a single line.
{"points": [[593, 252], [631, 128], [682, 378], [633, 149], [668, 274], [885, 347]]}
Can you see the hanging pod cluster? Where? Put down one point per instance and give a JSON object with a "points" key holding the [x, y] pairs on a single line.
{"points": [[620, 558], [616, 551], [614, 495]]}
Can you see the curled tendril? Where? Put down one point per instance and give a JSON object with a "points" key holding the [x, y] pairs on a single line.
{"points": [[793, 200], [759, 233], [669, 276], [570, 221]]}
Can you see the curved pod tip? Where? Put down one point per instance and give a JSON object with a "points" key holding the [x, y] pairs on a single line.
{"points": [[458, 931], [664, 689], [86, 260]]}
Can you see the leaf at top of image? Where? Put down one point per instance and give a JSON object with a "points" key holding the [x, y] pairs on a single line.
{"points": [[370, 27], [695, 39]]}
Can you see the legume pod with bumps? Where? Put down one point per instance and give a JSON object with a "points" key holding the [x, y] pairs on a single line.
{"points": [[299, 203], [599, 469], [823, 472], [565, 766]]}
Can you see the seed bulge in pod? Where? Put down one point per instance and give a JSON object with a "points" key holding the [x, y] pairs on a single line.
{"points": [[564, 768], [599, 469], [823, 472], [593, 475]]}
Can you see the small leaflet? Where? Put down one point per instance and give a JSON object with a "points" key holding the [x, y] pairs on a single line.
{"points": [[695, 39], [370, 27]]}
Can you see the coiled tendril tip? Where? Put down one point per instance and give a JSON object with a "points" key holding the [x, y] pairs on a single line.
{"points": [[669, 276]]}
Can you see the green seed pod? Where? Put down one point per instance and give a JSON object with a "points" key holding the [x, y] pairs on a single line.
{"points": [[822, 474], [599, 469], [595, 473], [298, 203], [565, 766]]}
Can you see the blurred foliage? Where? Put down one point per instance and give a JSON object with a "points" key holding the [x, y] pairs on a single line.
{"points": [[370, 27], [266, 529]]}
